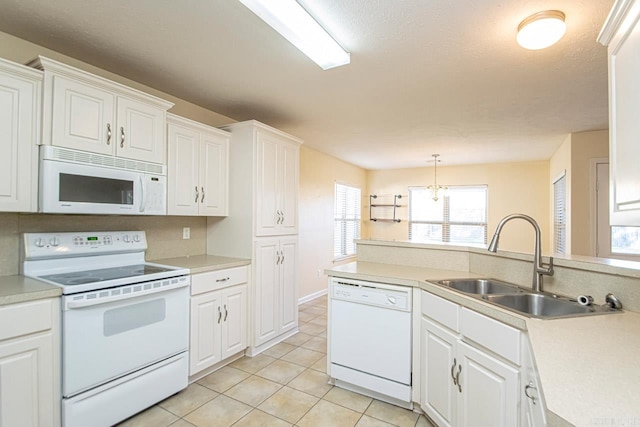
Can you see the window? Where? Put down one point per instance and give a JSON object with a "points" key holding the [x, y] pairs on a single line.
{"points": [[560, 215], [625, 240], [460, 216], [346, 227]]}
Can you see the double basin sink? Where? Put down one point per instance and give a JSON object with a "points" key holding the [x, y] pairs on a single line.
{"points": [[511, 297]]}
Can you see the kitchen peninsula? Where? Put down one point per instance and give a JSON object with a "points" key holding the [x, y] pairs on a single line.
{"points": [[587, 365]]}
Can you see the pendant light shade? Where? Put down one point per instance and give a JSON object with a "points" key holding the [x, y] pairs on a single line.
{"points": [[541, 29]]}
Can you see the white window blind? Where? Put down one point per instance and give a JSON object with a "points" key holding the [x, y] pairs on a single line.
{"points": [[460, 216], [560, 215], [346, 220]]}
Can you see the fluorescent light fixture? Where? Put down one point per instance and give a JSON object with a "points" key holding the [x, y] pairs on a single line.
{"points": [[296, 25], [541, 29]]}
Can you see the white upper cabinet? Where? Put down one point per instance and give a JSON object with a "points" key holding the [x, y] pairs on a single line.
{"points": [[198, 168], [86, 112], [277, 185], [20, 102], [621, 33]]}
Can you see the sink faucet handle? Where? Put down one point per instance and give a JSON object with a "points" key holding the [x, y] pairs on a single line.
{"points": [[612, 301]]}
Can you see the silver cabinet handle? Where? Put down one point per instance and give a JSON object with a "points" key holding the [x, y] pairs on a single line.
{"points": [[108, 133], [278, 260], [458, 378], [453, 369], [202, 198], [526, 392], [282, 262], [282, 215], [219, 314], [226, 313], [121, 137], [278, 217], [224, 279], [197, 194]]}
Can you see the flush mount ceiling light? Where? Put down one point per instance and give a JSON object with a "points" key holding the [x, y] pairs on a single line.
{"points": [[296, 25], [541, 29], [435, 188]]}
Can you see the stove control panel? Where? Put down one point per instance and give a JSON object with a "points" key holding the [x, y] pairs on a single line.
{"points": [[50, 245]]}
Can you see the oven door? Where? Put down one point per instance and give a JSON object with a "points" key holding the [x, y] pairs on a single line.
{"points": [[104, 341], [75, 188]]}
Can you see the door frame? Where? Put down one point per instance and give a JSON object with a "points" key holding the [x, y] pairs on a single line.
{"points": [[593, 203]]}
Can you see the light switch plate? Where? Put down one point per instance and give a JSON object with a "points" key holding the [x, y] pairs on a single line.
{"points": [[186, 232]]}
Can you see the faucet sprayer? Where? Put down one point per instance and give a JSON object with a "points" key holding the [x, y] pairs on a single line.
{"points": [[538, 267]]}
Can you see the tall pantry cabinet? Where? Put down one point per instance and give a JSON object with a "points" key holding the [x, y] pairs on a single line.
{"points": [[263, 225]]}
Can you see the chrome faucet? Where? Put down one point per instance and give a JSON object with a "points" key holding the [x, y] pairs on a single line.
{"points": [[538, 267]]}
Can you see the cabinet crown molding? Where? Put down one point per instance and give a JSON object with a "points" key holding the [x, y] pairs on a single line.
{"points": [[47, 64], [259, 125], [615, 18]]}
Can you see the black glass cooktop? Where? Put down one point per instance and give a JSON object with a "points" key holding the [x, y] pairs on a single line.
{"points": [[104, 274]]}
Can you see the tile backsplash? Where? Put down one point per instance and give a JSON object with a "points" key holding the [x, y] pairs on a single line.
{"points": [[164, 233]]}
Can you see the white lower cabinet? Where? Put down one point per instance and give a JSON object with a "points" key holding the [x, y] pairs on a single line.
{"points": [[275, 299], [29, 364], [467, 377], [218, 317]]}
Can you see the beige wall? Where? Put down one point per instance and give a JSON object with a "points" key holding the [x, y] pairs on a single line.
{"points": [[318, 174], [585, 147], [513, 187], [574, 157]]}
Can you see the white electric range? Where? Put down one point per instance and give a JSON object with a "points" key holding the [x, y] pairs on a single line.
{"points": [[125, 322]]}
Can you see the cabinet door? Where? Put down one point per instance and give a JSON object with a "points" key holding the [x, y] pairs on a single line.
{"points": [[214, 160], [183, 171], [288, 192], [438, 365], [234, 329], [82, 117], [288, 283], [206, 321], [490, 393], [19, 109], [27, 382], [140, 133], [268, 176], [267, 292], [624, 94]]}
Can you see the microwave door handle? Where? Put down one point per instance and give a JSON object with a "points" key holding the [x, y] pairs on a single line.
{"points": [[143, 202]]}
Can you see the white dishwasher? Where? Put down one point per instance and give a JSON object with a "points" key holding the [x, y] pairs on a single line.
{"points": [[370, 339]]}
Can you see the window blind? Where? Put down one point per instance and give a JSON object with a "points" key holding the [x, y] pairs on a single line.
{"points": [[460, 216], [346, 220], [559, 215]]}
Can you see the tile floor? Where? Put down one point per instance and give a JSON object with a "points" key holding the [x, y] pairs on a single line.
{"points": [[285, 385]]}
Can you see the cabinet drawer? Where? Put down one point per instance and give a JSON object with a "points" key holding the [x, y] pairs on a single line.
{"points": [[439, 309], [26, 318], [214, 280], [491, 334]]}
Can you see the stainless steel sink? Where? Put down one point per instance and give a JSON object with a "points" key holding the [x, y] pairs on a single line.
{"points": [[480, 286], [543, 305]]}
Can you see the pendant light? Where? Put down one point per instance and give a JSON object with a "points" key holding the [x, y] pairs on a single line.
{"points": [[541, 29], [435, 187]]}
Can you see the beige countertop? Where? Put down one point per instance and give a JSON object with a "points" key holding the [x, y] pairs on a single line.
{"points": [[203, 263], [15, 289], [589, 366]]}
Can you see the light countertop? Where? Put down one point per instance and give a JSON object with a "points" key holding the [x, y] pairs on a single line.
{"points": [[588, 366], [203, 263], [16, 289]]}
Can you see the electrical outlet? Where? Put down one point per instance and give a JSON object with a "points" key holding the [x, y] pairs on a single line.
{"points": [[186, 232], [319, 273]]}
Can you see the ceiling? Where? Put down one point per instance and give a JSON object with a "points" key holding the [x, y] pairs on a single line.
{"points": [[426, 76]]}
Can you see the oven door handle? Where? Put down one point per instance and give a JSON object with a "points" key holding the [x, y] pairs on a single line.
{"points": [[104, 300]]}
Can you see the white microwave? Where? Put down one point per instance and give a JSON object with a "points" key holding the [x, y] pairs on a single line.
{"points": [[77, 182]]}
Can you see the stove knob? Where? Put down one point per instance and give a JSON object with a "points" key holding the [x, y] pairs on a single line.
{"points": [[39, 242], [125, 238], [54, 241], [136, 238]]}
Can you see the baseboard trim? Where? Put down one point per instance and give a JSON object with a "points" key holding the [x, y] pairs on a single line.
{"points": [[312, 296]]}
